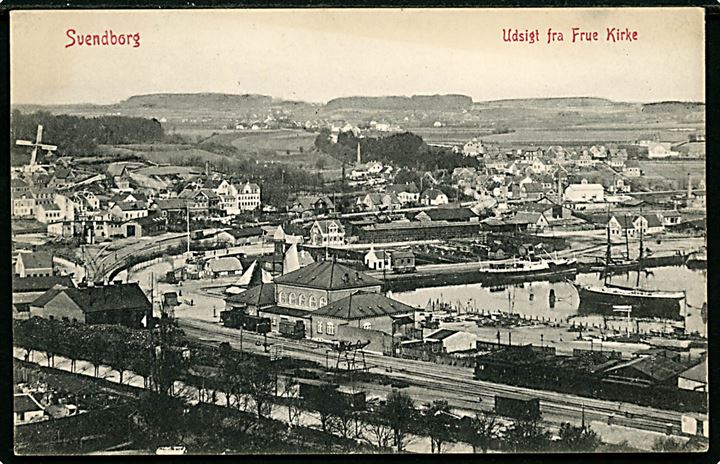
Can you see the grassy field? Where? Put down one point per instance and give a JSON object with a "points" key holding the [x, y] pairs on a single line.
{"points": [[255, 141], [674, 170], [578, 135]]}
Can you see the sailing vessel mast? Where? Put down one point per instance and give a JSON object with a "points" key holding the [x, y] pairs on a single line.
{"points": [[608, 251]]}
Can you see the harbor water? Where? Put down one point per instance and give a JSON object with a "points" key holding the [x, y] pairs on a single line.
{"points": [[533, 299]]}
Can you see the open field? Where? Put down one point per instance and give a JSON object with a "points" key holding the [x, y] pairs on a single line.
{"points": [[674, 170], [254, 141], [542, 136]]}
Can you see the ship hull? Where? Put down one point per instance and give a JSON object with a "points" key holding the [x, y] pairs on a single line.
{"points": [[560, 272], [598, 302], [696, 262]]}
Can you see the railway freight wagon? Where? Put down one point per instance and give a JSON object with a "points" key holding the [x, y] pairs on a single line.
{"points": [[317, 390], [237, 319], [290, 329], [517, 408]]}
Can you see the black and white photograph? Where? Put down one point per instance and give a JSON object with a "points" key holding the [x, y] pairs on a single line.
{"points": [[358, 231]]}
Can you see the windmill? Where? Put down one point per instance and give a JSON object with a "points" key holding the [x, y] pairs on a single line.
{"points": [[33, 166]]}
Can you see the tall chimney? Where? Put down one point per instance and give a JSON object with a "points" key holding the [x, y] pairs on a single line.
{"points": [[689, 187], [207, 168], [358, 154]]}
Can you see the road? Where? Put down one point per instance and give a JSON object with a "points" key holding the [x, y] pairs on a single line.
{"points": [[455, 384]]}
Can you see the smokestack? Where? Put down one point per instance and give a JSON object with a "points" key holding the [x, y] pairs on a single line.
{"points": [[359, 160], [207, 168], [689, 187]]}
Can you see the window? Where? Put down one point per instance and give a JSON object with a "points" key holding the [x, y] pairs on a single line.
{"points": [[320, 327], [367, 326], [323, 301], [330, 328], [303, 300], [293, 298], [313, 301], [282, 297], [274, 321]]}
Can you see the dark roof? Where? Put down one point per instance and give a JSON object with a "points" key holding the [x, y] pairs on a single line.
{"points": [[626, 222], [442, 334], [363, 305], [246, 232], [259, 295], [431, 194], [171, 203], [533, 187], [535, 207], [36, 260], [328, 275], [697, 373], [108, 297], [402, 254], [292, 312], [39, 283], [24, 402], [450, 214], [659, 368], [399, 188], [653, 220], [43, 299]]}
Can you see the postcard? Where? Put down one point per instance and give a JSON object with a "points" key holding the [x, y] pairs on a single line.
{"points": [[287, 231]]}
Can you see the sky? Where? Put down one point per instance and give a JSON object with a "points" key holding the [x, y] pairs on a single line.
{"points": [[317, 55]]}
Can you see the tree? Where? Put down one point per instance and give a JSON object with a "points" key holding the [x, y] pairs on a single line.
{"points": [[527, 435], [438, 424], [320, 164], [480, 431], [259, 382], [577, 438], [377, 432], [399, 413], [326, 402]]}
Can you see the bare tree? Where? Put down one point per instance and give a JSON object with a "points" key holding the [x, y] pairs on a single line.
{"points": [[399, 413], [480, 431]]}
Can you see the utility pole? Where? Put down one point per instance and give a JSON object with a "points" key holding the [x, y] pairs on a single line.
{"points": [[187, 222]]}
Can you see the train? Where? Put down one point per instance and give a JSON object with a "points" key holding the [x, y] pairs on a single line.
{"points": [[236, 319], [518, 408]]}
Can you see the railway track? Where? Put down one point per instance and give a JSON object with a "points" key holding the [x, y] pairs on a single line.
{"points": [[459, 382]]}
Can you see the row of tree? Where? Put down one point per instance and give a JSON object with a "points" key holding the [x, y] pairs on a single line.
{"points": [[80, 136], [249, 383]]}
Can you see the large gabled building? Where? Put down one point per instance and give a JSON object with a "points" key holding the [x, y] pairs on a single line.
{"points": [[124, 304], [318, 284]]}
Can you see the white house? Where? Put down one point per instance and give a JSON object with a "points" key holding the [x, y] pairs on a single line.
{"points": [[631, 168], [648, 224], [377, 260], [433, 197], [453, 340], [249, 197], [473, 148], [329, 232], [661, 150], [584, 192]]}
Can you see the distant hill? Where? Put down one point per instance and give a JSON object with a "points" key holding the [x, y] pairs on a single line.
{"points": [[554, 102], [183, 101], [416, 102], [669, 106]]}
